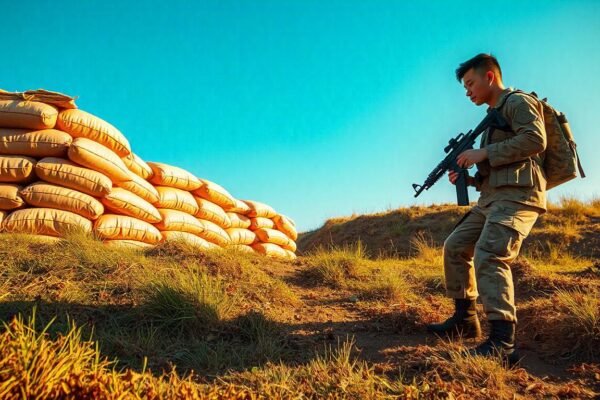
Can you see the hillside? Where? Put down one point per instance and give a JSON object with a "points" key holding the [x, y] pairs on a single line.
{"points": [[341, 322], [573, 224]]}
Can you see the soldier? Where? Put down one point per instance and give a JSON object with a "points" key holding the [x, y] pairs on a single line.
{"points": [[512, 186]]}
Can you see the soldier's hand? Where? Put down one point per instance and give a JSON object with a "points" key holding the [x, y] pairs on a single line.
{"points": [[453, 176], [467, 158]]}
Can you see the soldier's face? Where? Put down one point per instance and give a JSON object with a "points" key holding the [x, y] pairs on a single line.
{"points": [[477, 86]]}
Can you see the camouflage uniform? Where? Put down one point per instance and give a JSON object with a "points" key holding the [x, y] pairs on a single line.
{"points": [[478, 253]]}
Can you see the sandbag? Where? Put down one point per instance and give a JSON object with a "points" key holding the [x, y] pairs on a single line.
{"points": [[128, 244], [261, 222], [175, 220], [239, 208], [238, 220], [10, 199], [215, 193], [168, 175], [176, 199], [44, 143], [68, 174], [189, 239], [138, 166], [81, 124], [274, 236], [45, 96], [258, 209], [123, 227], [241, 236], [214, 233], [285, 225], [241, 248], [121, 201], [290, 254], [27, 114], [140, 187], [99, 158], [46, 221], [42, 194], [16, 169], [270, 250], [211, 212]]}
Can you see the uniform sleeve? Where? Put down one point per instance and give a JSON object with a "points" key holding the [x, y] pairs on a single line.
{"points": [[526, 120]]}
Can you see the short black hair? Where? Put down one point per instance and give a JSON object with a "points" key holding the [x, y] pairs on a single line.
{"points": [[481, 63]]}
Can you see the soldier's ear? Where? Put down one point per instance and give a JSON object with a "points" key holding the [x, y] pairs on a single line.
{"points": [[490, 77]]}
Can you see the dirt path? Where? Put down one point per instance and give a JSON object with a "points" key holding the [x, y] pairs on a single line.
{"points": [[329, 316]]}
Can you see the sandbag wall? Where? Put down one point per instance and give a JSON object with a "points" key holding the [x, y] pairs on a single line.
{"points": [[63, 169]]}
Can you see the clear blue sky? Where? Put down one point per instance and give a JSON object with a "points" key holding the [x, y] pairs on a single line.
{"points": [[319, 108]]}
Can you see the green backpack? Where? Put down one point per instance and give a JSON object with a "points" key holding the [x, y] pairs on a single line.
{"points": [[561, 161]]}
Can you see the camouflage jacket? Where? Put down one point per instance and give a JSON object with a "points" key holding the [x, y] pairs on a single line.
{"points": [[513, 170]]}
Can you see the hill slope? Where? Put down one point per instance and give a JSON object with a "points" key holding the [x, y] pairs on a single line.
{"points": [[335, 323], [573, 224]]}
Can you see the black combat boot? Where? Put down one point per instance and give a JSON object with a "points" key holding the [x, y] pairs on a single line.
{"points": [[500, 343], [463, 322]]}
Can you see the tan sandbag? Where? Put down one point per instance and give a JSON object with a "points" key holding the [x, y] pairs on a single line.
{"points": [[270, 250], [238, 220], [169, 175], [42, 194], [241, 236], [189, 239], [138, 166], [140, 187], [291, 255], [175, 220], [258, 209], [215, 193], [38, 144], [214, 233], [285, 225], [99, 158], [10, 199], [123, 201], [17, 169], [274, 236], [241, 248], [69, 174], [124, 227], [176, 199], [211, 212], [45, 96], [81, 124], [239, 208], [27, 114], [46, 221], [261, 222], [128, 244]]}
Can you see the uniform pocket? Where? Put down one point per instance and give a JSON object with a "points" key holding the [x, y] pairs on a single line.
{"points": [[514, 216], [516, 174]]}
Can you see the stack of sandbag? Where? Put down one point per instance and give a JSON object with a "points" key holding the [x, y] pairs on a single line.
{"points": [[29, 140], [178, 207], [63, 169], [275, 233]]}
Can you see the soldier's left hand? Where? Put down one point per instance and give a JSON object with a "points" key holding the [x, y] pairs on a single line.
{"points": [[467, 158]]}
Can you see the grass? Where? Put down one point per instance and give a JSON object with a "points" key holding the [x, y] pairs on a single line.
{"points": [[174, 323]]}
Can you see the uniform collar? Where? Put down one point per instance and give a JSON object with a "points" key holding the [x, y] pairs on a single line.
{"points": [[502, 96]]}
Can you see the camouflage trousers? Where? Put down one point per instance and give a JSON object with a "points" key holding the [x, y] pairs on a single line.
{"points": [[478, 253]]}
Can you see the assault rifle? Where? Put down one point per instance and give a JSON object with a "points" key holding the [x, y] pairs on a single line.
{"points": [[457, 145]]}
